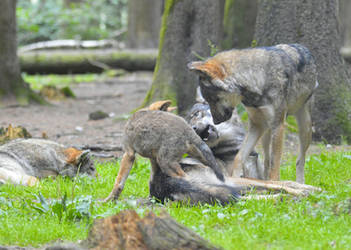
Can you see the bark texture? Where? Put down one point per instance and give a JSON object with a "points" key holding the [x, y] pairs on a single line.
{"points": [[13, 90], [314, 24], [127, 230], [144, 22], [187, 26], [239, 23]]}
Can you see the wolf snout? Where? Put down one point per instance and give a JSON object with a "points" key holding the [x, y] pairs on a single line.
{"points": [[219, 118]]}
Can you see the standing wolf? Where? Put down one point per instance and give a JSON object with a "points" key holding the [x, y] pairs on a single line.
{"points": [[271, 82]]}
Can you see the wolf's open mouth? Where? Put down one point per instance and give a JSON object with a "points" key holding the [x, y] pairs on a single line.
{"points": [[205, 134]]}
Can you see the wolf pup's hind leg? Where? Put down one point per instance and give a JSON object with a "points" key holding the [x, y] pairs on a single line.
{"points": [[125, 167], [201, 150]]}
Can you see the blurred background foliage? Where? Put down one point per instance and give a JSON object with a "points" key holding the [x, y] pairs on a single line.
{"points": [[44, 20]]}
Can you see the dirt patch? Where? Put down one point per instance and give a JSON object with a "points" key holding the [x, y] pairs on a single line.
{"points": [[67, 121]]}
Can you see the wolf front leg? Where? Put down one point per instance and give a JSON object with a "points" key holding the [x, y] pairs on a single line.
{"points": [[253, 135], [125, 167]]}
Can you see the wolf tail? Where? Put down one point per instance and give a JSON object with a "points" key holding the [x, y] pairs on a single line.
{"points": [[204, 153]]}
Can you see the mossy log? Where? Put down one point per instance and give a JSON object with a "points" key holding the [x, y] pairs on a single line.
{"points": [[84, 61], [127, 230]]}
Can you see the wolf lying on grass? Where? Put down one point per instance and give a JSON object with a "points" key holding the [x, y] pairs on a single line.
{"points": [[271, 82], [24, 161], [183, 179]]}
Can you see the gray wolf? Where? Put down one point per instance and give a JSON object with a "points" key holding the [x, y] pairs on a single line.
{"points": [[25, 161], [224, 139], [271, 82], [163, 138], [200, 185]]}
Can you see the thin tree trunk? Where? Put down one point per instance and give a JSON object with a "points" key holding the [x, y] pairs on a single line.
{"points": [[314, 24], [187, 27], [239, 23], [144, 21], [13, 90]]}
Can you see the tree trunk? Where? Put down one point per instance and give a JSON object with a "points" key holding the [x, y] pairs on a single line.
{"points": [[314, 24], [13, 90], [239, 23], [144, 21], [187, 28], [345, 19]]}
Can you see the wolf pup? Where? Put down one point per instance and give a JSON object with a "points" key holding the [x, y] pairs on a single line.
{"points": [[163, 138], [271, 82], [24, 161], [224, 139]]}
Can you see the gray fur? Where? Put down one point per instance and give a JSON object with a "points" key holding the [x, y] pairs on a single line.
{"points": [[38, 158], [165, 137], [271, 82]]}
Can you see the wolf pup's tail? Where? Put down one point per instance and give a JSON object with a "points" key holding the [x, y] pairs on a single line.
{"points": [[206, 156]]}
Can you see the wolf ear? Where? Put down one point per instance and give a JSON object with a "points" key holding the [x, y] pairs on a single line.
{"points": [[161, 105], [211, 68], [74, 156]]}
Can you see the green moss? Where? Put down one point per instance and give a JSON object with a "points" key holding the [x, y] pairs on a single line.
{"points": [[67, 92], [169, 4], [228, 24], [24, 96]]}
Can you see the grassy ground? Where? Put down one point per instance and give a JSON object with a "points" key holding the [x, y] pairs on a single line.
{"points": [[38, 81], [64, 209]]}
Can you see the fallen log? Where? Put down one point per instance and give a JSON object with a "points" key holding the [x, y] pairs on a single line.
{"points": [[86, 61], [69, 44]]}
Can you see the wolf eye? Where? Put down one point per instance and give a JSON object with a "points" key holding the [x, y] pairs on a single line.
{"points": [[197, 114]]}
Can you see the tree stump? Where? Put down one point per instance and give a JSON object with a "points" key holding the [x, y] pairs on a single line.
{"points": [[127, 230]]}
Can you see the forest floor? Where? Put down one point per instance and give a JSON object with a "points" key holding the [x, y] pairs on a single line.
{"points": [[67, 121]]}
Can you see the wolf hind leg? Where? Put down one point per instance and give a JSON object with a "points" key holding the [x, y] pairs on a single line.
{"points": [[203, 152], [276, 151], [170, 166], [304, 123], [124, 170], [266, 145]]}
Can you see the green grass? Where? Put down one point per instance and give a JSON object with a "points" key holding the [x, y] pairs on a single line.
{"points": [[34, 215], [38, 81]]}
